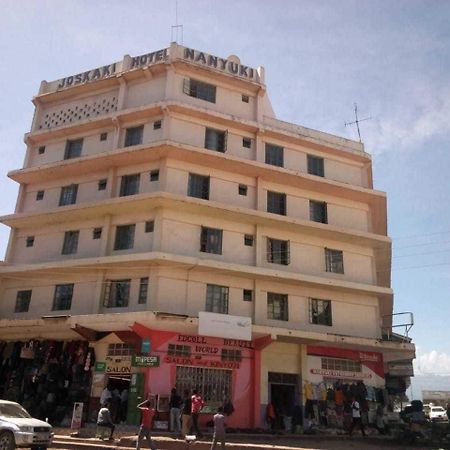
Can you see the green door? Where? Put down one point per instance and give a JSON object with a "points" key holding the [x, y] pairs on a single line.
{"points": [[135, 396]]}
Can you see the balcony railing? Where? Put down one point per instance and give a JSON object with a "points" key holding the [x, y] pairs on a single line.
{"points": [[396, 327]]}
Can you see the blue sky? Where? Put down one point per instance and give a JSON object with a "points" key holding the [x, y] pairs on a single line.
{"points": [[392, 58]]}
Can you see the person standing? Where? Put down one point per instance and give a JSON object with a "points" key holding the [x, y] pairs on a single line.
{"points": [[104, 419], [147, 414], [197, 405], [356, 417], [106, 396], [186, 413], [219, 429], [175, 402]]}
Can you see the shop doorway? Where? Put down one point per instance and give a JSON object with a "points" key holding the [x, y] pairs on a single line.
{"points": [[284, 396], [119, 385]]}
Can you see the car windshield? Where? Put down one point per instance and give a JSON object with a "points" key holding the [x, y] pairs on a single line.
{"points": [[13, 410], [438, 409]]}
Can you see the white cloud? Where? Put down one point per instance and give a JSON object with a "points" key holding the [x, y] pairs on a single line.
{"points": [[432, 363]]}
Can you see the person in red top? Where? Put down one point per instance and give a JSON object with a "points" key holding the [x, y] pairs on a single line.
{"points": [[197, 405], [147, 413]]}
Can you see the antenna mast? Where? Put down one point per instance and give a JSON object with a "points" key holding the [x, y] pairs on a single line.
{"points": [[357, 121], [176, 28]]}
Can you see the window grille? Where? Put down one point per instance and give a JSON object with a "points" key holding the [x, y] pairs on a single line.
{"points": [[277, 306], [117, 293], [274, 155], [39, 195], [334, 261], [73, 149], [316, 165], [231, 355], [179, 350], [216, 140], [124, 237], [345, 365], [62, 299], [278, 251], [211, 240], [198, 89], [97, 233], [120, 349], [320, 312], [134, 135], [23, 301], [318, 211], [248, 240], [68, 195], [276, 203], [198, 186], [70, 244], [216, 299], [143, 290], [129, 185]]}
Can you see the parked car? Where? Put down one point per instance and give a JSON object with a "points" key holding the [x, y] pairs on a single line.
{"points": [[19, 429], [437, 413]]}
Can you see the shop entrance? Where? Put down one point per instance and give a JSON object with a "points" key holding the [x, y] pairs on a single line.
{"points": [[119, 385], [284, 396]]}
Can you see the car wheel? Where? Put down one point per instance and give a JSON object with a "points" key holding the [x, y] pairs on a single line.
{"points": [[7, 441]]}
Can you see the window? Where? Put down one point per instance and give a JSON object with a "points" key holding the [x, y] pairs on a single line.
{"points": [[129, 185], [198, 186], [117, 293], [247, 295], [334, 261], [157, 125], [39, 195], [242, 189], [102, 184], [274, 155], [73, 149], [248, 240], [229, 354], [179, 350], [124, 237], [344, 365], [143, 290], [198, 89], [211, 240], [149, 226], [276, 203], [315, 165], [30, 241], [103, 136], [134, 135], [97, 233], [320, 312], [278, 251], [318, 211], [121, 350], [41, 149], [70, 244], [246, 143], [154, 175], [277, 306], [215, 140], [216, 299], [23, 301], [68, 195], [245, 98], [62, 300]]}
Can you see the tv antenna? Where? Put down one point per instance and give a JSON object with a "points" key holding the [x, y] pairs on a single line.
{"points": [[176, 28], [356, 121]]}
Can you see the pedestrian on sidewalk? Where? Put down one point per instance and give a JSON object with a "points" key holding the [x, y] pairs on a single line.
{"points": [[219, 429], [147, 414], [175, 403], [104, 419], [356, 417], [197, 405], [186, 414]]}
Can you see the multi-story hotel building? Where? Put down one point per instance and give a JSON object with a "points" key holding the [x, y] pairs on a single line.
{"points": [[170, 230]]}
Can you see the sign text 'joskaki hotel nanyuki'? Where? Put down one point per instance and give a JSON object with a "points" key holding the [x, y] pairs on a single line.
{"points": [[204, 59]]}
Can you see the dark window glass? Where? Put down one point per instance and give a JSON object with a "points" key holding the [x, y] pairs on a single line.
{"points": [[248, 240], [97, 233], [73, 149], [216, 299], [179, 350], [102, 184], [133, 136], [157, 125], [154, 175], [39, 195], [124, 237], [117, 293], [103, 136], [316, 166], [198, 186], [277, 306], [62, 300], [334, 261], [274, 155], [246, 142], [211, 240], [70, 244], [149, 226], [276, 203], [129, 185], [229, 354], [23, 301], [320, 312], [215, 140], [143, 290], [245, 98], [242, 189], [248, 295], [318, 211], [41, 149], [30, 241], [68, 195], [198, 89], [278, 251]]}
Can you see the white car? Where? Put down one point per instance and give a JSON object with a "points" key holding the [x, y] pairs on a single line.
{"points": [[19, 429], [437, 413]]}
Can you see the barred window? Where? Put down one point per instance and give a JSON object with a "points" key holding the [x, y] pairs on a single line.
{"points": [[134, 135], [179, 350], [334, 261], [62, 299], [215, 140], [39, 195], [211, 240], [70, 244], [30, 241], [198, 186], [73, 149], [231, 355], [274, 155], [315, 165], [278, 251], [129, 185], [345, 365], [318, 211], [96, 233], [276, 202], [68, 195], [124, 237], [102, 184], [198, 89], [121, 349], [143, 290], [277, 306], [23, 301], [249, 240], [320, 312], [216, 299], [242, 189], [117, 293]]}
